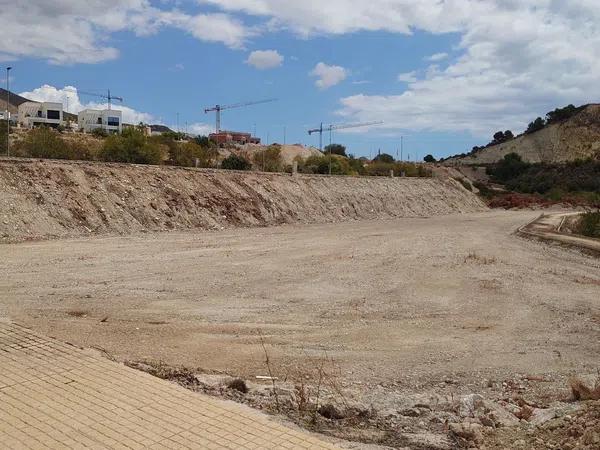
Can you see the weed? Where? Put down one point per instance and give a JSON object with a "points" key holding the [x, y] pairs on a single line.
{"points": [[589, 225], [482, 260], [237, 384], [268, 364]]}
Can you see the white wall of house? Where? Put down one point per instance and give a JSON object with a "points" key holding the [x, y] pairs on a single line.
{"points": [[109, 120], [32, 114]]}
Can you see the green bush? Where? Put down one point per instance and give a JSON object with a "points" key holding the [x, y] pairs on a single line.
{"points": [[99, 132], [508, 168], [235, 162], [589, 225], [269, 159], [131, 147], [384, 158], [319, 164], [46, 143], [3, 130], [186, 154], [335, 149]]}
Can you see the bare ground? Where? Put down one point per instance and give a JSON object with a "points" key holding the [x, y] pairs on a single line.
{"points": [[405, 312]]}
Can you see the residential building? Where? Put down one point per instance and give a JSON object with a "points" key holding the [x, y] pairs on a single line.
{"points": [[33, 114], [109, 120]]}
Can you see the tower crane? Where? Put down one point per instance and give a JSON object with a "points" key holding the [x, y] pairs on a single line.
{"points": [[108, 97], [331, 128], [219, 108]]}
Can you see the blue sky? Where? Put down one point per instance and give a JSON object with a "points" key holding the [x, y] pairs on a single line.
{"points": [[442, 77]]}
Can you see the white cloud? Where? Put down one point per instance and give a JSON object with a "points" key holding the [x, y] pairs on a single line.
{"points": [[201, 129], [515, 59], [408, 77], [265, 59], [177, 68], [75, 31], [328, 76], [361, 82], [69, 96], [437, 57]]}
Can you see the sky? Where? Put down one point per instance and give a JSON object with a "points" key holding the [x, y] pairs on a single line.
{"points": [[441, 75]]}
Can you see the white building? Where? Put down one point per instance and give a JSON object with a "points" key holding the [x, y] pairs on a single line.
{"points": [[32, 114], [108, 120]]}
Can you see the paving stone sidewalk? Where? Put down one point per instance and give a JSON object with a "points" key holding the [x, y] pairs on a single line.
{"points": [[54, 395]]}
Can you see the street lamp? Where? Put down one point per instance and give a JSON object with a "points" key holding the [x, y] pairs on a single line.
{"points": [[7, 111]]}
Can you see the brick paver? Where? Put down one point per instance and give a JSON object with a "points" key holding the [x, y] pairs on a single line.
{"points": [[54, 395]]}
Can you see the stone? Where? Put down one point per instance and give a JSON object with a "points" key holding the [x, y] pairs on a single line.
{"points": [[468, 431], [470, 404]]}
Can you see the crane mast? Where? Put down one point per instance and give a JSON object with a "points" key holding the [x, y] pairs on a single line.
{"points": [[332, 127], [218, 108]]}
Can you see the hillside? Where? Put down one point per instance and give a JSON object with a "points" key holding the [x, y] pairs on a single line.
{"points": [[574, 138], [43, 199], [15, 101]]}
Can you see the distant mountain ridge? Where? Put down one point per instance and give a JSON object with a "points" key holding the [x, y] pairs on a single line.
{"points": [[577, 137], [15, 101]]}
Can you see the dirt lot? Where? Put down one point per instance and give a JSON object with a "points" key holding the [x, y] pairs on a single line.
{"points": [[408, 311]]}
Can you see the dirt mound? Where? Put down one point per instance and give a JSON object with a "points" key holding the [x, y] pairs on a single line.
{"points": [[288, 152], [575, 138], [40, 199]]}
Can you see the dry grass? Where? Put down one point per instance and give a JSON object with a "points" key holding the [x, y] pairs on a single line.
{"points": [[474, 258], [77, 313]]}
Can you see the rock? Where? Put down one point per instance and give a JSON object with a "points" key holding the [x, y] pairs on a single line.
{"points": [[541, 416], [468, 431], [591, 437], [427, 440], [470, 404], [411, 412]]}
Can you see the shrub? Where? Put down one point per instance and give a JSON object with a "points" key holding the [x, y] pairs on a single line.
{"points": [[99, 132], [510, 167], [319, 164], [466, 183], [589, 225], [235, 162], [204, 141], [131, 147], [3, 130], [186, 154], [269, 159], [384, 158], [239, 385], [429, 159], [335, 149], [45, 143], [537, 125]]}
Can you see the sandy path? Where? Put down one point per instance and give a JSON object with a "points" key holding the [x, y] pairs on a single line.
{"points": [[386, 299]]}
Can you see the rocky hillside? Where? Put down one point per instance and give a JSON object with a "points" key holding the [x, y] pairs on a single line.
{"points": [[575, 138], [44, 199]]}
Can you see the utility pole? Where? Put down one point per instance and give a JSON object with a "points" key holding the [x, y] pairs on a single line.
{"points": [[284, 135], [177, 122], [7, 111]]}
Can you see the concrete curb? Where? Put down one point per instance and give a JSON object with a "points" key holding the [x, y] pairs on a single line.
{"points": [[547, 228]]}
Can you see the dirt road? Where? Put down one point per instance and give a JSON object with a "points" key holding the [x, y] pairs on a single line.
{"points": [[388, 300]]}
